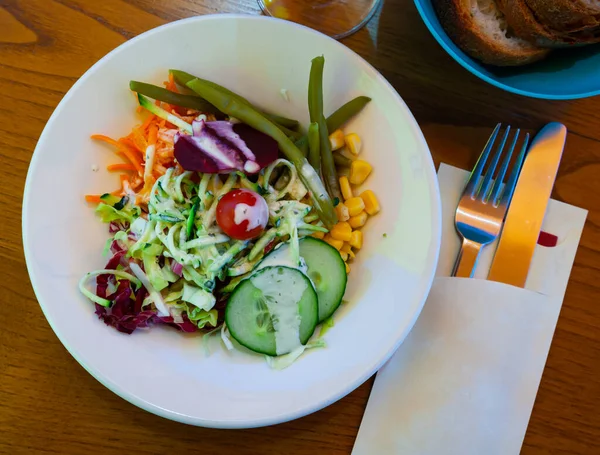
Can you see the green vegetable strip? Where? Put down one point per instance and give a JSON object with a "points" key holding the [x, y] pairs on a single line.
{"points": [[228, 256], [202, 190], [117, 273], [176, 99], [247, 183], [191, 218], [283, 123], [315, 107], [314, 146], [262, 242], [205, 241], [346, 112], [250, 116], [210, 215], [312, 228], [160, 112]]}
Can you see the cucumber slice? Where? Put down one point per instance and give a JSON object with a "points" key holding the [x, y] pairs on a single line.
{"points": [[273, 312], [323, 265]]}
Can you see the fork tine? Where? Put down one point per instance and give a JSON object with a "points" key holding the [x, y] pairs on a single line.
{"points": [[487, 180], [478, 169], [502, 172], [509, 189]]}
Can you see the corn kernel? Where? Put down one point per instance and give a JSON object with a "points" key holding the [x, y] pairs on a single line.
{"points": [[353, 143], [337, 244], [347, 269], [355, 206], [342, 231], [359, 171], [348, 250], [336, 139], [318, 235], [346, 153], [344, 255], [345, 187], [371, 202], [356, 240], [358, 220], [342, 212]]}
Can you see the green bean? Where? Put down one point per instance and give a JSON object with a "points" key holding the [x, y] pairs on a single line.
{"points": [[283, 121], [176, 99], [314, 146], [181, 77], [247, 114], [294, 135], [338, 118], [302, 144], [315, 107], [285, 124], [346, 112], [341, 160]]}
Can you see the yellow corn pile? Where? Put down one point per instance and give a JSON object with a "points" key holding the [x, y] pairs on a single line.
{"points": [[353, 212]]}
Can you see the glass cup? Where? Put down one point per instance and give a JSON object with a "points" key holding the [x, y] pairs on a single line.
{"points": [[336, 18]]}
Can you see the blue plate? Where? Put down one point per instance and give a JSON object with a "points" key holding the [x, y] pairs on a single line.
{"points": [[565, 74]]}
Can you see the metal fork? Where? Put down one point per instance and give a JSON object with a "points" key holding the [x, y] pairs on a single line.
{"points": [[485, 200]]}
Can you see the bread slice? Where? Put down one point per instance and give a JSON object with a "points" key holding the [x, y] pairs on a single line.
{"points": [[566, 16], [526, 25], [479, 28]]}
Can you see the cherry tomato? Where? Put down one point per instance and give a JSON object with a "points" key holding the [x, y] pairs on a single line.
{"points": [[242, 214]]}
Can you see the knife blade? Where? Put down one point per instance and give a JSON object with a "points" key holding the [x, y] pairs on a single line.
{"points": [[526, 212]]}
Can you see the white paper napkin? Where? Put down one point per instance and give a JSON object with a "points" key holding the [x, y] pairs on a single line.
{"points": [[465, 379]]}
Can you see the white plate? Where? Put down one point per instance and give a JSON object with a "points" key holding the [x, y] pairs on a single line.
{"points": [[168, 373]]}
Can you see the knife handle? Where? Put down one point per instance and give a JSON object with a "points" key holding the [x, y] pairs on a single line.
{"points": [[467, 259]]}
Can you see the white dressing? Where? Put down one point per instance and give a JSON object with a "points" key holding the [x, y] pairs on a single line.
{"points": [[281, 297], [256, 215]]}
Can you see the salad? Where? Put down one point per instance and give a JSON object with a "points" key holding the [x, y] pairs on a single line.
{"points": [[230, 219]]}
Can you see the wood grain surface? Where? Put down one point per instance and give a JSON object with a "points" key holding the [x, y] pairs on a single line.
{"points": [[49, 404]]}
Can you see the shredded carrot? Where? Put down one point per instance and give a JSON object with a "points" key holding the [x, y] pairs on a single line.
{"points": [[136, 181], [123, 178], [108, 140], [133, 157], [148, 121], [139, 141], [159, 169], [153, 131], [148, 184], [170, 84], [121, 167], [152, 134], [93, 198]]}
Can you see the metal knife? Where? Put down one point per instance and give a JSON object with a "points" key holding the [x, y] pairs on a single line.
{"points": [[526, 212]]}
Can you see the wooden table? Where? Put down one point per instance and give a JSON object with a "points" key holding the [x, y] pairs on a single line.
{"points": [[48, 403]]}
